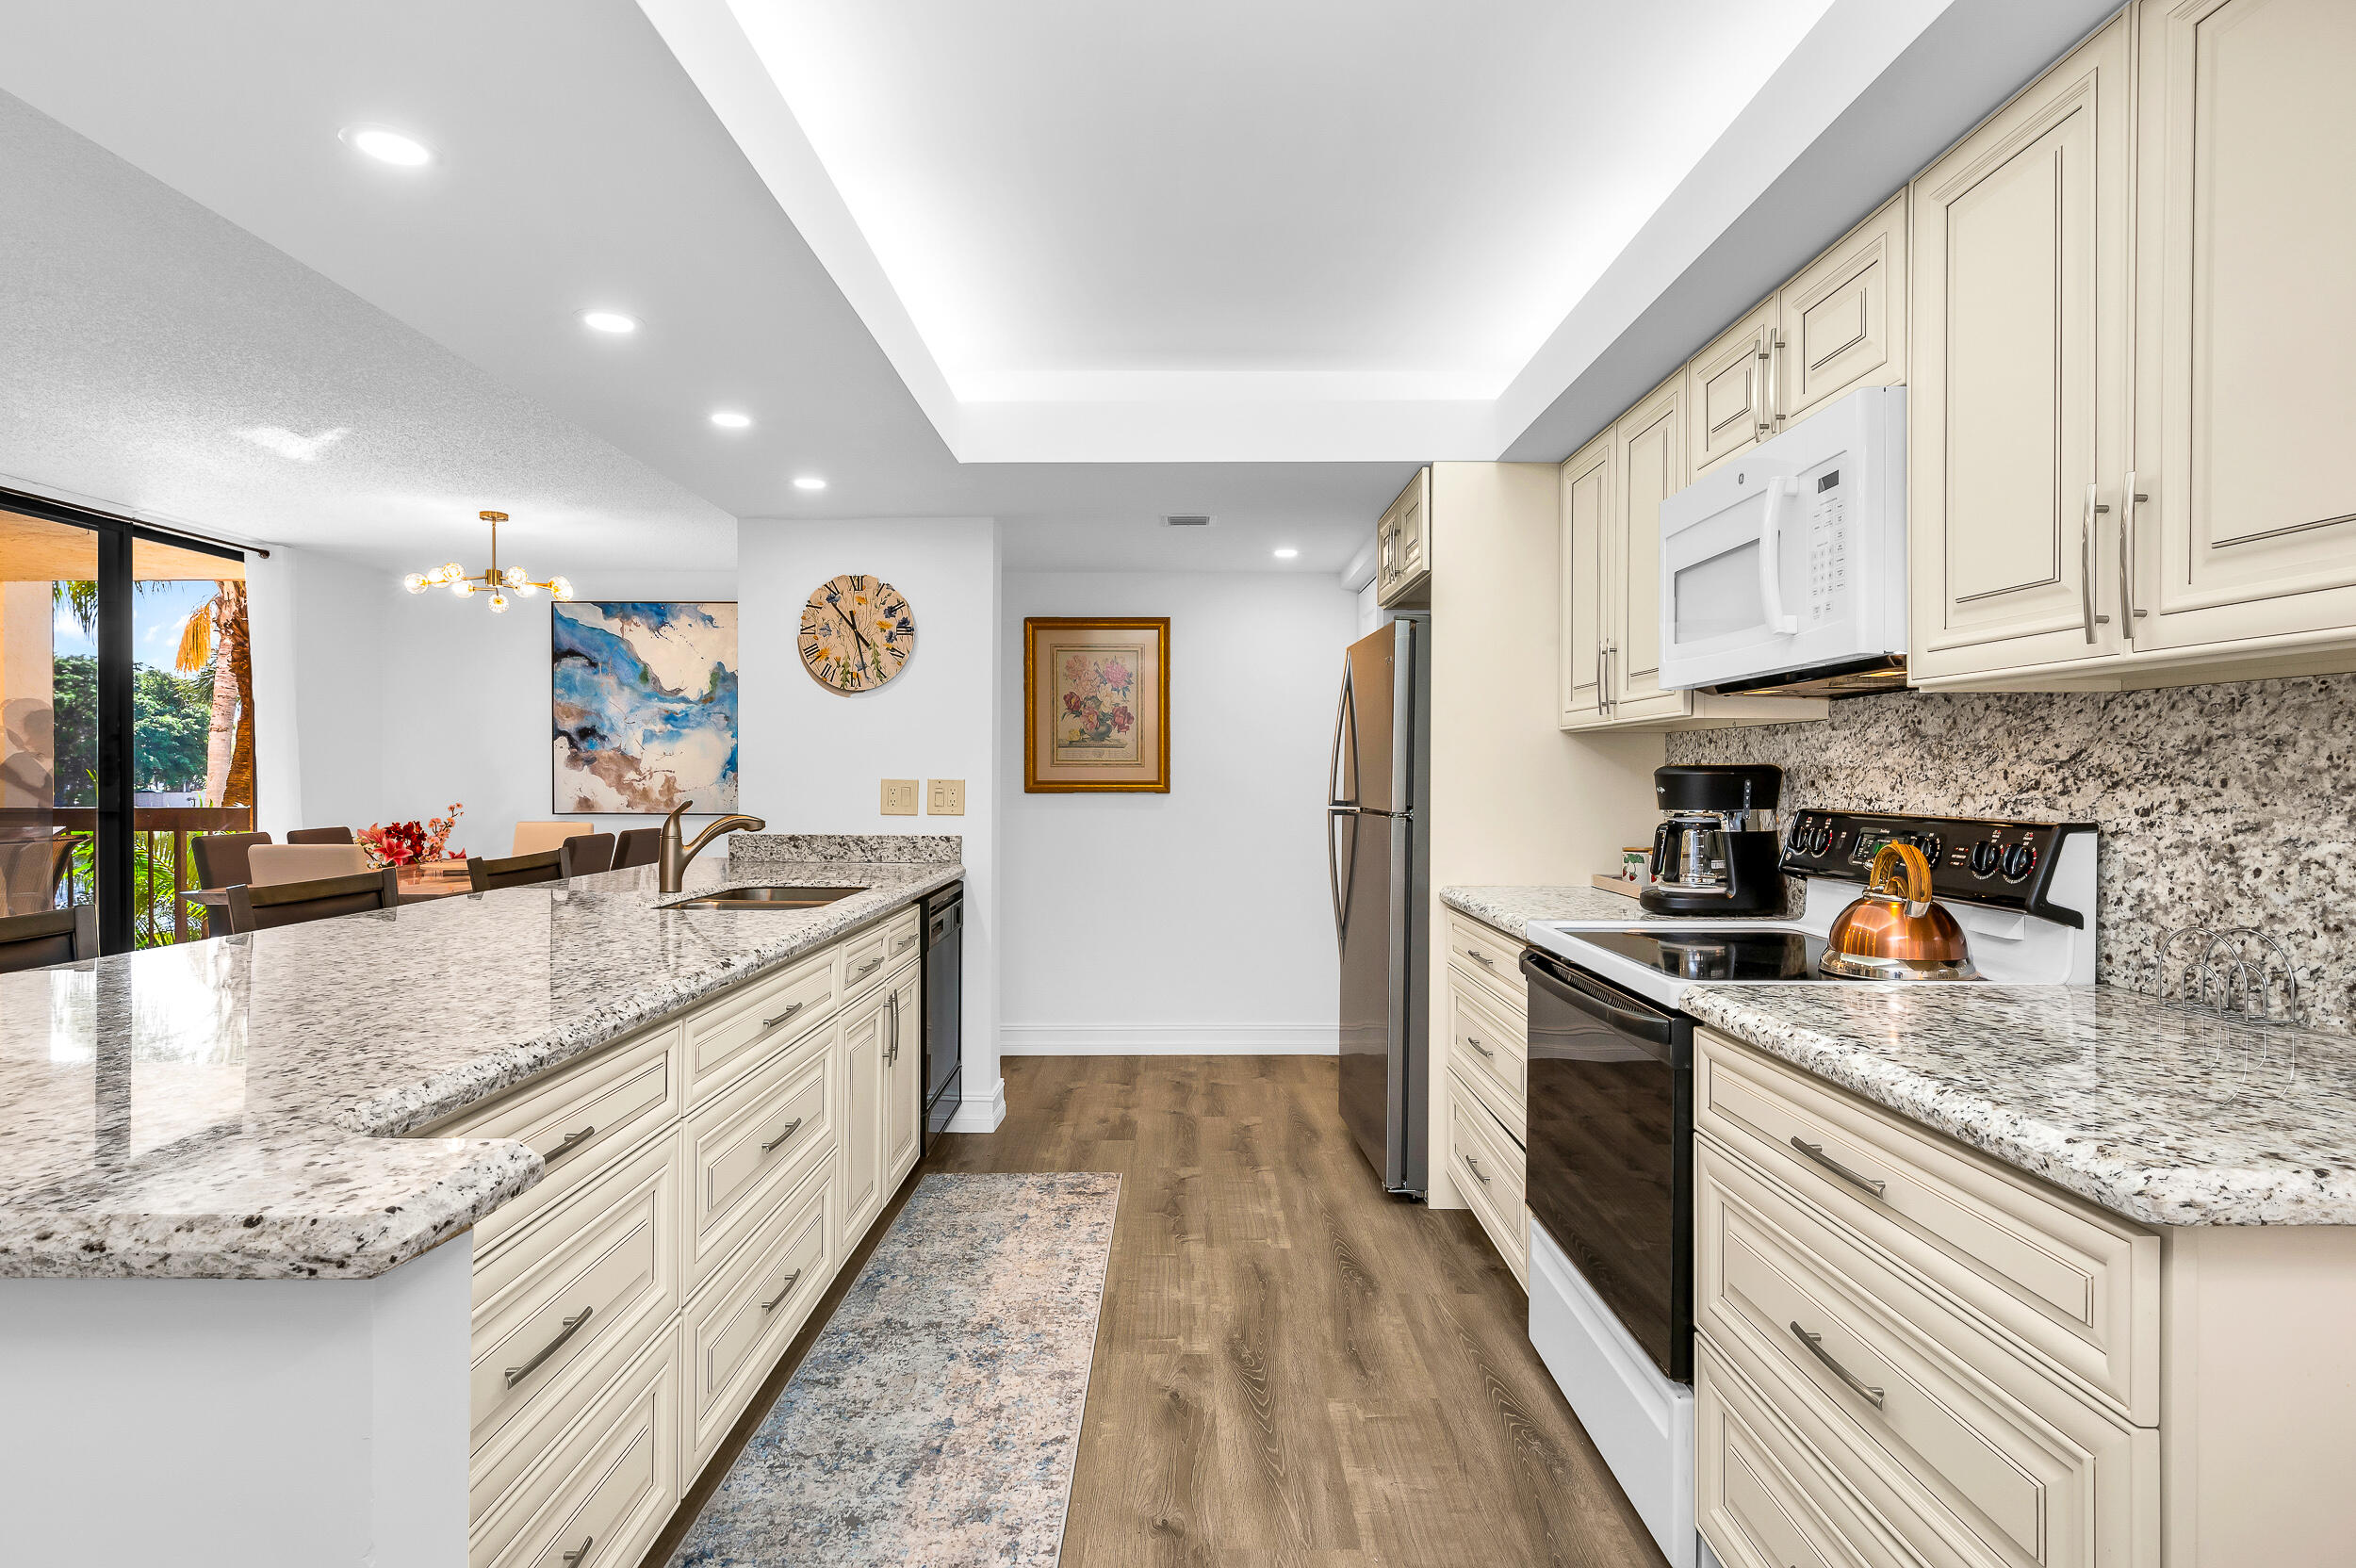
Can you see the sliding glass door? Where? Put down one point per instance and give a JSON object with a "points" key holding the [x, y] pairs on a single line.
{"points": [[126, 717]]}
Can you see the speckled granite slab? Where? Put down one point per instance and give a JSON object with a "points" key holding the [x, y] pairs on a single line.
{"points": [[234, 1108], [936, 1418], [747, 850], [1511, 909], [2164, 1117]]}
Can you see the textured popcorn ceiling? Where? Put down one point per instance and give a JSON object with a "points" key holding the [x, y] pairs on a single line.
{"points": [[159, 357]]}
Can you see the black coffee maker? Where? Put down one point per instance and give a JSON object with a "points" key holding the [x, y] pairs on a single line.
{"points": [[1716, 851]]}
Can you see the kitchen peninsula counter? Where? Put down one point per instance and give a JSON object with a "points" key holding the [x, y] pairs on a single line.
{"points": [[238, 1108]]}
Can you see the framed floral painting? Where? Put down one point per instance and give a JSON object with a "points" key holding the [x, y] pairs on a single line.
{"points": [[1095, 704]]}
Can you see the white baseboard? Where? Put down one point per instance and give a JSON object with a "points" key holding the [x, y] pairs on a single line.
{"points": [[1168, 1039], [975, 1114]]}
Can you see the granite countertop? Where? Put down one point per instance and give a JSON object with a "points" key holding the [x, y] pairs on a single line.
{"points": [[235, 1108], [1511, 909], [2167, 1117]]}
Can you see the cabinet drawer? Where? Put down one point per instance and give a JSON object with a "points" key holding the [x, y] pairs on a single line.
{"points": [[581, 1122], [729, 1034], [864, 960], [608, 1490], [903, 933], [561, 1308], [750, 1145], [2077, 1287], [1971, 1452], [1492, 1055], [1488, 1169], [736, 1330], [1495, 959], [1762, 1497]]}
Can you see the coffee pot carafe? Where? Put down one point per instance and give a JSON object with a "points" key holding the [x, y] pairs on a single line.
{"points": [[1715, 851]]}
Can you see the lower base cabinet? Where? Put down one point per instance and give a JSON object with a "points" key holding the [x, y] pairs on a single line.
{"points": [[623, 1326], [1485, 1074]]}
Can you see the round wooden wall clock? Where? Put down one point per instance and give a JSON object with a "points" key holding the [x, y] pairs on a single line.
{"points": [[857, 633]]}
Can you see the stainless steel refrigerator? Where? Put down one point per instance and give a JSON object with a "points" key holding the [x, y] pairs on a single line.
{"points": [[1380, 862]]}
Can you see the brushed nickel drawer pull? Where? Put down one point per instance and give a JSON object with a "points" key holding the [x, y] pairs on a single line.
{"points": [[572, 1326], [1815, 1344], [1480, 957], [905, 943], [1476, 1166], [791, 1281], [1475, 1043], [773, 1022], [868, 968], [579, 1553], [1816, 1151], [791, 1128], [570, 1146]]}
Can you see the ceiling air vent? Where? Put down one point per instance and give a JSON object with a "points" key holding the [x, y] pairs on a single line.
{"points": [[1186, 519]]}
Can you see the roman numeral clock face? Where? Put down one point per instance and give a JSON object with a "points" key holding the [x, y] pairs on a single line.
{"points": [[857, 633]]}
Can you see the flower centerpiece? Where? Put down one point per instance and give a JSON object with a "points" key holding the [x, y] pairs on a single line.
{"points": [[409, 843]]}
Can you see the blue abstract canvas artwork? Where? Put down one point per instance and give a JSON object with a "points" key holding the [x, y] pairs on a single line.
{"points": [[646, 705]]}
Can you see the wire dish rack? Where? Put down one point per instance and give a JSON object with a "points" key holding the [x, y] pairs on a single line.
{"points": [[2232, 972]]}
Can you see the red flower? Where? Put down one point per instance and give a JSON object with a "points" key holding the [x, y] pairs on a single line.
{"points": [[1122, 718]]}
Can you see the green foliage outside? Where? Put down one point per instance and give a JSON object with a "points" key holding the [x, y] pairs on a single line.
{"points": [[171, 717]]}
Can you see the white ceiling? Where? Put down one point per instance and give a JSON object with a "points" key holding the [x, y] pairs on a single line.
{"points": [[1179, 259]]}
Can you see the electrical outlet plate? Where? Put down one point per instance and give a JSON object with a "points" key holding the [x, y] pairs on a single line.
{"points": [[944, 797], [899, 797]]}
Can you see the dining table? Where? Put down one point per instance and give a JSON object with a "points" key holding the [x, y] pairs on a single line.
{"points": [[419, 884]]}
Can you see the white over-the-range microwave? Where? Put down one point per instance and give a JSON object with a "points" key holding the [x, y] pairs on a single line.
{"points": [[1785, 569]]}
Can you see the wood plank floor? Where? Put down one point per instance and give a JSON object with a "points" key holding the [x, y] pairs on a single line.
{"points": [[1293, 1367]]}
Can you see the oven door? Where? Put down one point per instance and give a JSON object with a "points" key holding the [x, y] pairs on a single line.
{"points": [[1610, 1149]]}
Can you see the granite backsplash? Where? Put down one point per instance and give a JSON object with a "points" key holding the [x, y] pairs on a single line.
{"points": [[2225, 804]]}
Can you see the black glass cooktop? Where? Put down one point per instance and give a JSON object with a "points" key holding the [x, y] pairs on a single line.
{"points": [[1717, 953]]}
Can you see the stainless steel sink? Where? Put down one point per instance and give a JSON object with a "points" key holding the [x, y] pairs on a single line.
{"points": [[765, 898]]}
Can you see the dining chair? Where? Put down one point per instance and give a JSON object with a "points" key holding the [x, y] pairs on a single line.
{"points": [[585, 853], [220, 857], [516, 870], [275, 903], [320, 836], [48, 937], [638, 846], [534, 837], [267, 864]]}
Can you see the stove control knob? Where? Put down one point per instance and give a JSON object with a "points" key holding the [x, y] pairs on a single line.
{"points": [[1985, 859], [1821, 839], [1932, 847], [2019, 860]]}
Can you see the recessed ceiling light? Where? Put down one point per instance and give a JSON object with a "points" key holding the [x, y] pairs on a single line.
{"points": [[727, 418], [386, 146], [608, 320], [809, 482], [1286, 553]]}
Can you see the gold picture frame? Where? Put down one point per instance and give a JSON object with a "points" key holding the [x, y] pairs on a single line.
{"points": [[1095, 704]]}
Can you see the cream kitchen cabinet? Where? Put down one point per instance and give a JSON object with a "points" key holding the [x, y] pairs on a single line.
{"points": [[2018, 414], [1727, 388], [903, 1075], [1403, 568], [862, 1113], [1608, 567]]}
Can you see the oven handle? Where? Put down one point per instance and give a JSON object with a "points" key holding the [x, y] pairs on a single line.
{"points": [[1566, 986]]}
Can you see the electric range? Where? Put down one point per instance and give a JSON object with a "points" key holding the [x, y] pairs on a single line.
{"points": [[1611, 1101]]}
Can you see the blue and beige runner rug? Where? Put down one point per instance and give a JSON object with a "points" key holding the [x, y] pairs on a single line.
{"points": [[936, 1418]]}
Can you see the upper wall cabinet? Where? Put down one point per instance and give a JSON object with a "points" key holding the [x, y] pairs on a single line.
{"points": [[1402, 570], [2018, 412], [1726, 387], [2247, 203], [1587, 502], [2125, 420]]}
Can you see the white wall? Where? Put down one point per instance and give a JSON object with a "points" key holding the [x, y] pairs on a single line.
{"points": [[1201, 919], [324, 648], [813, 759]]}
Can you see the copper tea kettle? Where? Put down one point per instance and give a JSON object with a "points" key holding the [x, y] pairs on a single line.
{"points": [[1896, 930]]}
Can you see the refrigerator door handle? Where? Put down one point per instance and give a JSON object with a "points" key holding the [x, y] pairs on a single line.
{"points": [[1345, 731], [1333, 815]]}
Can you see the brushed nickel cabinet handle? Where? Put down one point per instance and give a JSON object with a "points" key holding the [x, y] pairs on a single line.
{"points": [[572, 1326], [570, 1146], [2127, 555], [905, 943], [1763, 425], [787, 1289], [791, 1128], [2085, 565], [1815, 1344], [790, 1011], [868, 968], [1474, 1040], [1476, 1167], [579, 1553], [1480, 957], [1816, 1151]]}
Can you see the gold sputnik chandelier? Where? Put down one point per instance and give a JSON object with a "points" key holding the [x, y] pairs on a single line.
{"points": [[492, 580]]}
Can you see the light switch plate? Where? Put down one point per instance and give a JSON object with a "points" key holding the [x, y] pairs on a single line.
{"points": [[945, 797], [899, 797]]}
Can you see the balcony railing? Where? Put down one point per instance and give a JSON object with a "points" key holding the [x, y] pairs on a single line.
{"points": [[162, 866]]}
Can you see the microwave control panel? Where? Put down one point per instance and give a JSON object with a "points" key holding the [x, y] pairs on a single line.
{"points": [[1826, 501], [2004, 865]]}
